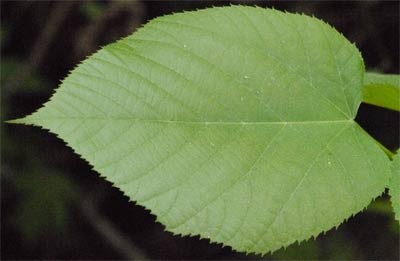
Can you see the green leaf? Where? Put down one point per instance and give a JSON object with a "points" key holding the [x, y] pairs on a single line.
{"points": [[382, 90], [234, 123], [394, 186]]}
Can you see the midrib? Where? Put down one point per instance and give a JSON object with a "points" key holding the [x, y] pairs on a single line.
{"points": [[26, 120]]}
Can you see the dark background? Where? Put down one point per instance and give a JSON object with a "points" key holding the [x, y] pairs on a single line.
{"points": [[53, 206]]}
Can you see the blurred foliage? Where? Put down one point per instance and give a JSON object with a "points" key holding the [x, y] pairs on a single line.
{"points": [[92, 9], [39, 185], [34, 83], [44, 203], [4, 30]]}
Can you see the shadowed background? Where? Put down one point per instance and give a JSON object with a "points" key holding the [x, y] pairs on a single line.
{"points": [[53, 206]]}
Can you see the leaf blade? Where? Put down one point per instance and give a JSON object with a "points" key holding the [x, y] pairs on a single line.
{"points": [[192, 123]]}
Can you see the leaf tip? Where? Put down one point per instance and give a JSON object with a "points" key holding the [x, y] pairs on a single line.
{"points": [[17, 121]]}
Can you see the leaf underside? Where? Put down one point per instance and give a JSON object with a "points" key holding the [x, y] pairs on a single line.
{"points": [[234, 123], [382, 90]]}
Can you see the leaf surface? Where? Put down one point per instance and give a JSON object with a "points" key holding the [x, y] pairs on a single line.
{"points": [[234, 123], [394, 187], [382, 90]]}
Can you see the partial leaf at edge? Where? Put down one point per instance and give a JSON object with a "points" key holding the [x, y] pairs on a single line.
{"points": [[382, 90], [394, 186], [234, 123]]}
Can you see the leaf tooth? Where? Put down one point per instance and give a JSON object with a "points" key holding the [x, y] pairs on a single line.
{"points": [[25, 119], [210, 240], [323, 231], [314, 236], [103, 176]]}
